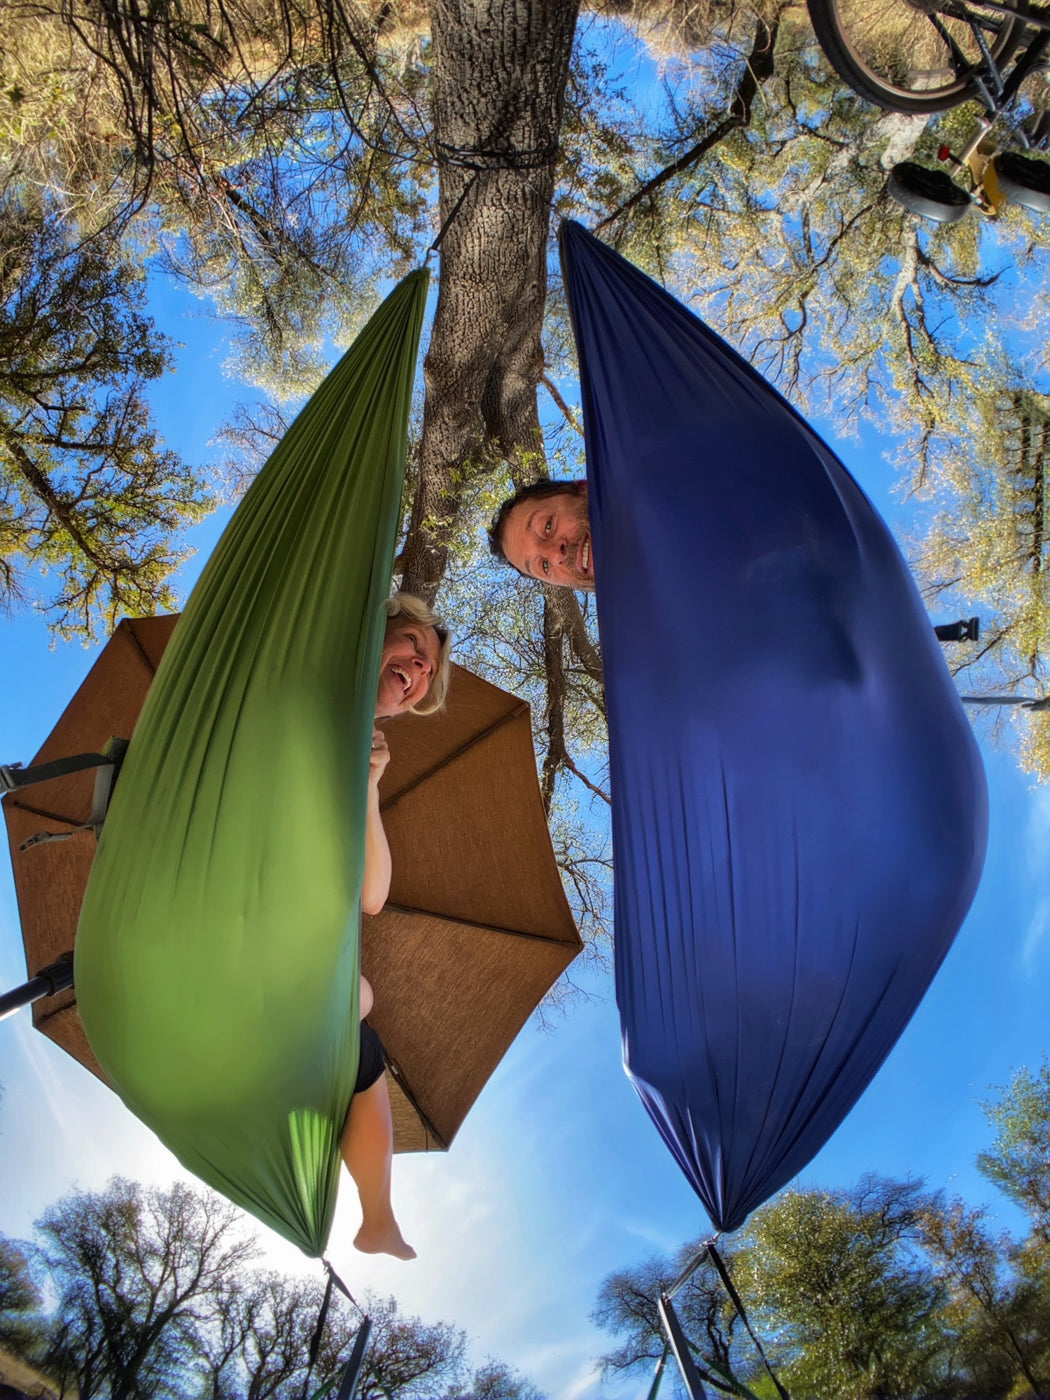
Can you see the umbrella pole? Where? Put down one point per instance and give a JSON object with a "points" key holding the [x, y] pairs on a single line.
{"points": [[56, 977]]}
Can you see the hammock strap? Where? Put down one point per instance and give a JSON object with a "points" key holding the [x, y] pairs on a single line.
{"points": [[455, 210], [322, 1318], [13, 775], [1042, 703], [107, 763], [333, 1277], [354, 1367], [334, 1281], [671, 1324], [723, 1274]]}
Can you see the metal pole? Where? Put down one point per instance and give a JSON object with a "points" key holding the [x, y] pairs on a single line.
{"points": [[356, 1364], [57, 977], [690, 1269], [680, 1346], [658, 1377], [1043, 703]]}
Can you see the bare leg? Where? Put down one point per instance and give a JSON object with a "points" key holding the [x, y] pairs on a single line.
{"points": [[367, 1146]]}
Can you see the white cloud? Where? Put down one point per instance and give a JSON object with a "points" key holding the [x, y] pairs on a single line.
{"points": [[1037, 833], [1035, 937], [62, 1129], [1037, 860]]}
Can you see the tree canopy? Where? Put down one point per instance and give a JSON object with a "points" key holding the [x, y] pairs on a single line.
{"points": [[156, 1294], [88, 492]]}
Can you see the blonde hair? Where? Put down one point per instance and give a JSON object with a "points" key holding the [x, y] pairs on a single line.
{"points": [[407, 605]]}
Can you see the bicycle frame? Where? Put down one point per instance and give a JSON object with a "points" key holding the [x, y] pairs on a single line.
{"points": [[1007, 81]]}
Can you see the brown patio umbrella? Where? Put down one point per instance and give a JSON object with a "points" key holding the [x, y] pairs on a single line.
{"points": [[477, 927]]}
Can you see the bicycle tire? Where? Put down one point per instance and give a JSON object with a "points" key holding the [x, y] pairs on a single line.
{"points": [[1023, 180], [869, 43], [1038, 131], [933, 194]]}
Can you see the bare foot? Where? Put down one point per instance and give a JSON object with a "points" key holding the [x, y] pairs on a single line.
{"points": [[376, 1240]]}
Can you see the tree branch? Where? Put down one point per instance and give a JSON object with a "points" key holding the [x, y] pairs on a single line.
{"points": [[758, 67]]}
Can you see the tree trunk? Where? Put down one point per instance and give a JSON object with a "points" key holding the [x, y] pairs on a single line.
{"points": [[500, 69]]}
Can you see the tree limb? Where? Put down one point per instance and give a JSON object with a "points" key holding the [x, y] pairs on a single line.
{"points": [[758, 67]]}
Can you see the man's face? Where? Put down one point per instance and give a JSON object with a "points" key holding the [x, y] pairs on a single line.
{"points": [[550, 539], [408, 664]]}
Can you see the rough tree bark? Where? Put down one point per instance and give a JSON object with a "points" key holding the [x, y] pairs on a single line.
{"points": [[500, 68]]}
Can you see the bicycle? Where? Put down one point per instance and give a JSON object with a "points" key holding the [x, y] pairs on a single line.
{"points": [[927, 56]]}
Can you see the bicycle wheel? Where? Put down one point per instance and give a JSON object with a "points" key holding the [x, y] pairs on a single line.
{"points": [[931, 193], [1022, 180], [892, 53]]}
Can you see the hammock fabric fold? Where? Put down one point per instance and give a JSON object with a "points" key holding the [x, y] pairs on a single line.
{"points": [[799, 807], [218, 948]]}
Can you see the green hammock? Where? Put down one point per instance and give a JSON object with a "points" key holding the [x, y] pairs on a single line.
{"points": [[219, 942]]}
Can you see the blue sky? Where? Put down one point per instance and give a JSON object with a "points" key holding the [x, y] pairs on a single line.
{"points": [[557, 1177]]}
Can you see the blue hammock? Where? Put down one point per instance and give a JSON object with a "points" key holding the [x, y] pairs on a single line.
{"points": [[800, 812]]}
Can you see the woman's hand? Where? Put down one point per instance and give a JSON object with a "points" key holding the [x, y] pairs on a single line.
{"points": [[377, 851], [379, 758]]}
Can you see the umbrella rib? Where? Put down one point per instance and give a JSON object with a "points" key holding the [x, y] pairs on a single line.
{"points": [[44, 814], [394, 908], [141, 649], [521, 707], [402, 1084]]}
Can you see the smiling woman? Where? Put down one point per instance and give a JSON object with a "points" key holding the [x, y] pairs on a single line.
{"points": [[414, 671], [416, 662]]}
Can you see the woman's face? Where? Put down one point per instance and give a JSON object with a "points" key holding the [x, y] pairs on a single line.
{"points": [[409, 661]]}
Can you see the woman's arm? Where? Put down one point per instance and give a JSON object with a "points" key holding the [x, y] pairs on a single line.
{"points": [[376, 885]]}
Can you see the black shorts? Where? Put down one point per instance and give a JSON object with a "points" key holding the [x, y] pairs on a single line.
{"points": [[373, 1061]]}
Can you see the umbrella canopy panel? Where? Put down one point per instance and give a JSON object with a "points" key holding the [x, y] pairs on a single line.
{"points": [[477, 928], [50, 878]]}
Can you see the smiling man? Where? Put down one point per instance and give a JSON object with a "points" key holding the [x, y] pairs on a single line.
{"points": [[544, 532]]}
